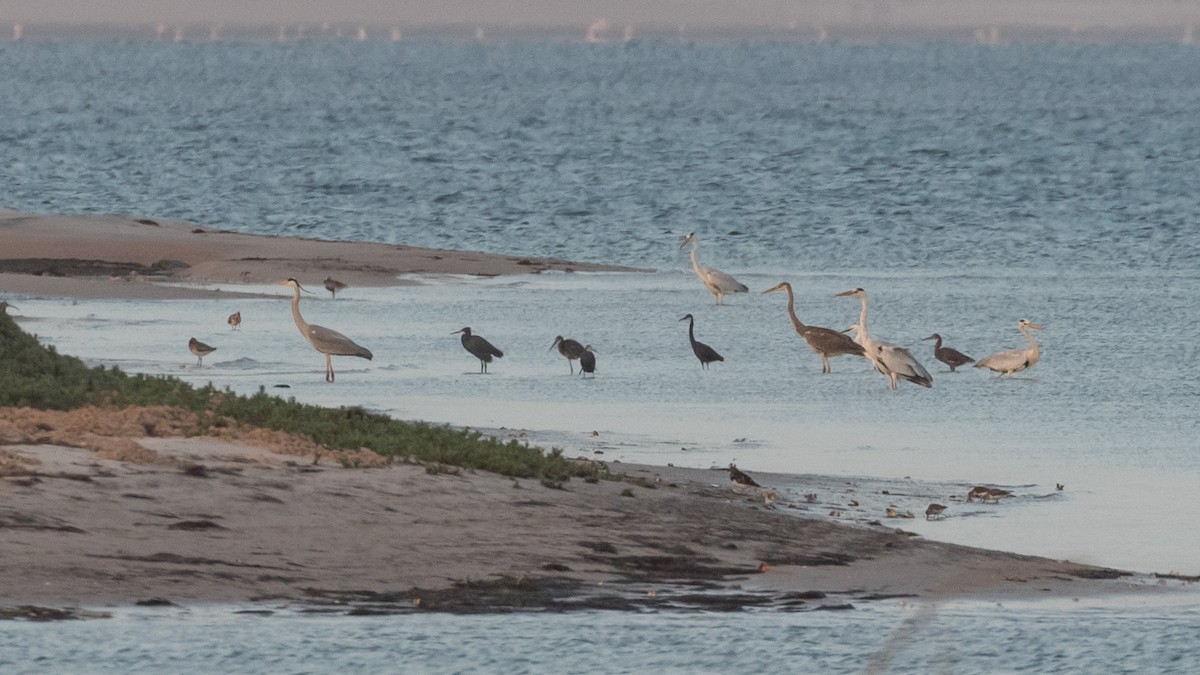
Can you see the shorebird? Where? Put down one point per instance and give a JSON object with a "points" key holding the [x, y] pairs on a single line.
{"points": [[235, 320], [702, 351], [893, 361], [333, 286], [935, 511], [200, 349], [717, 282], [1012, 361], [587, 362], [481, 348], [947, 355], [826, 342], [569, 348], [987, 494], [1059, 487], [4, 307], [325, 340], [740, 477]]}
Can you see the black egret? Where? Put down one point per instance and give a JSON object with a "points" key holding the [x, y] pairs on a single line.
{"points": [[200, 349], [948, 355], [717, 282], [892, 360], [702, 351], [570, 349], [741, 477], [333, 286], [1014, 360], [934, 511], [826, 342], [235, 320], [587, 362], [325, 340], [481, 348]]}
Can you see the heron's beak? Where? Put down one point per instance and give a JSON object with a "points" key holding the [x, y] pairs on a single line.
{"points": [[1035, 326], [845, 293], [684, 319], [928, 338], [772, 290], [456, 332], [554, 344]]}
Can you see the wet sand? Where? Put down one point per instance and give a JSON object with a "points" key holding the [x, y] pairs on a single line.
{"points": [[102, 508]]}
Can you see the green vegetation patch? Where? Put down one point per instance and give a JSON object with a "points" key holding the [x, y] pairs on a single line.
{"points": [[36, 376]]}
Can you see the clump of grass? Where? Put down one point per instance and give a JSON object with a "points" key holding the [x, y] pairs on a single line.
{"points": [[36, 376]]}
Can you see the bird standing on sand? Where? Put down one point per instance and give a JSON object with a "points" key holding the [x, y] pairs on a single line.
{"points": [[717, 282], [702, 351], [325, 340], [587, 362], [1012, 361], [893, 361], [935, 511], [481, 348], [333, 286], [235, 320], [947, 355], [740, 477], [568, 348], [200, 349], [826, 342]]}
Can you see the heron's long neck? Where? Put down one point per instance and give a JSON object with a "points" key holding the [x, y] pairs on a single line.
{"points": [[695, 262], [1032, 343], [692, 327], [799, 325], [937, 343], [862, 317], [300, 323]]}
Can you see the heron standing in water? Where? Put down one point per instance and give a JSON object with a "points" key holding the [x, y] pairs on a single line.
{"points": [[893, 361], [569, 348], [481, 348], [717, 282], [325, 340], [702, 351], [1012, 361], [826, 342], [947, 355], [200, 349]]}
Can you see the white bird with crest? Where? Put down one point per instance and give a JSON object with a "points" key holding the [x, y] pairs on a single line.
{"points": [[717, 282], [892, 360], [1012, 361]]}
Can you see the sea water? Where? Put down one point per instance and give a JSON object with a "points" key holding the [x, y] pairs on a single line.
{"points": [[965, 187]]}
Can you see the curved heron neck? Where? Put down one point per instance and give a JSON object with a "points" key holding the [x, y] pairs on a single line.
{"points": [[937, 343], [791, 308], [300, 322], [692, 330], [695, 262], [1032, 343], [862, 316]]}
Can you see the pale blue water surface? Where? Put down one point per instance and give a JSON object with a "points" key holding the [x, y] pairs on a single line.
{"points": [[964, 187]]}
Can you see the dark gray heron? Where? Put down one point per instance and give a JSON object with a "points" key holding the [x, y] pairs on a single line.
{"points": [[935, 511], [892, 360], [235, 320], [481, 348], [948, 355], [702, 351], [569, 348], [1012, 361], [587, 362], [200, 349], [333, 286], [826, 342], [325, 340], [717, 282]]}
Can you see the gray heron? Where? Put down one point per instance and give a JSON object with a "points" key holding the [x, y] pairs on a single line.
{"points": [[333, 286], [569, 348], [325, 340], [587, 362], [892, 360], [948, 355], [717, 282], [1012, 361], [200, 349], [702, 351], [826, 342], [481, 348], [235, 320]]}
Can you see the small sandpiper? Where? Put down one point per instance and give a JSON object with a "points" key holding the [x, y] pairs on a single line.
{"points": [[935, 511], [200, 349]]}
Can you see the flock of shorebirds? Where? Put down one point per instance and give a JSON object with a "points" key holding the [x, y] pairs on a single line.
{"points": [[893, 361]]}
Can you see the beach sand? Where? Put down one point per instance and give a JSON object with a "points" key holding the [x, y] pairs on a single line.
{"points": [[95, 514]]}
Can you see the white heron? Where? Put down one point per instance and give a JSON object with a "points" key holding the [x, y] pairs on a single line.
{"points": [[1012, 361], [892, 360], [717, 282], [325, 340]]}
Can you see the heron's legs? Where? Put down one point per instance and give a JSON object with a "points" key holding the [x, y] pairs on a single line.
{"points": [[328, 368]]}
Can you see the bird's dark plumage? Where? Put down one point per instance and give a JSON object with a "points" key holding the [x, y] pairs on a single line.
{"points": [[200, 349], [826, 342], [702, 351], [481, 348], [569, 348], [947, 355], [587, 361], [740, 477]]}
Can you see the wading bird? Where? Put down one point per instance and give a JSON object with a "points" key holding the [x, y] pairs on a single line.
{"points": [[587, 362], [200, 349], [826, 342], [4, 307], [333, 286], [893, 361], [325, 340], [235, 320], [1014, 360], [935, 511], [481, 348], [570, 349], [947, 355], [717, 282], [702, 351]]}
